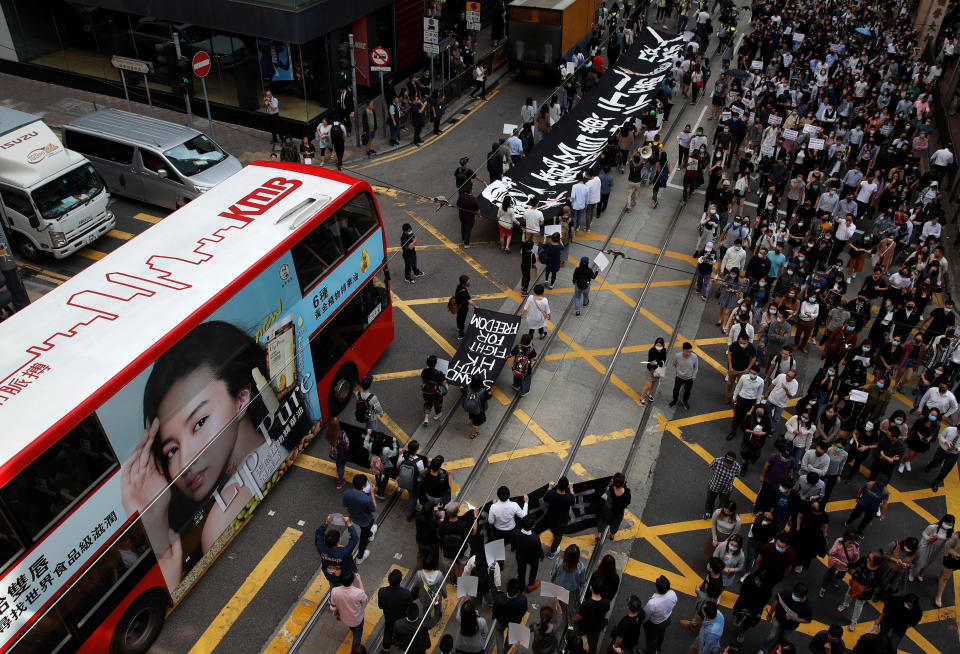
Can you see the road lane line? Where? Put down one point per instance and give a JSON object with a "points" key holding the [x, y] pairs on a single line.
{"points": [[247, 591], [299, 616], [147, 218], [120, 234], [372, 615], [96, 255]]}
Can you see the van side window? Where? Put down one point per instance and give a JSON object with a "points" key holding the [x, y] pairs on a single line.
{"points": [[17, 201], [59, 478], [94, 146], [154, 163]]}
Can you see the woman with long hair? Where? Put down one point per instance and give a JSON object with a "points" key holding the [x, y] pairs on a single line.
{"points": [[472, 636], [607, 577], [339, 449], [569, 573]]}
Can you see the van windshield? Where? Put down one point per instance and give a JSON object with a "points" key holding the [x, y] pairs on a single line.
{"points": [[65, 193], [196, 155]]}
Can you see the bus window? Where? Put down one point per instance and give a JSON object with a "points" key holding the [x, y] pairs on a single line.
{"points": [[94, 588], [59, 478], [348, 324], [316, 254], [356, 219], [49, 634], [10, 545]]}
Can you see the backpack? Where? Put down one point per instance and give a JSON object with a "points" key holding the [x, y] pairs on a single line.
{"points": [[521, 363], [407, 474], [452, 305], [871, 498], [336, 135], [461, 175], [362, 409], [472, 403], [451, 545]]}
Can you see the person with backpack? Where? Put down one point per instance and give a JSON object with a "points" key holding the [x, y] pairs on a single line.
{"points": [[582, 276], [460, 303], [435, 483], [382, 451], [871, 497], [463, 174], [537, 312], [367, 410], [427, 584], [410, 466], [338, 137], [433, 386], [454, 531], [524, 356], [475, 403]]}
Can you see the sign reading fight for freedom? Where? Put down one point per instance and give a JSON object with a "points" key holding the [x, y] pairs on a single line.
{"points": [[544, 178], [484, 348]]}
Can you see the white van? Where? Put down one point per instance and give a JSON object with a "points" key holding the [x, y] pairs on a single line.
{"points": [[51, 199], [149, 159]]}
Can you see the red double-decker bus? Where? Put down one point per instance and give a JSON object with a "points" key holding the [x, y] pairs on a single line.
{"points": [[149, 403]]}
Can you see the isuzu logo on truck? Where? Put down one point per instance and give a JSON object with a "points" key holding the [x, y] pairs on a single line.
{"points": [[19, 139]]}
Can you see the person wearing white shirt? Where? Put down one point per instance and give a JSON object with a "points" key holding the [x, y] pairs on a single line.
{"points": [[782, 388], [931, 228], [938, 397], [939, 161], [747, 392], [945, 457], [578, 200], [799, 434], [806, 319], [532, 222], [502, 515], [658, 610], [593, 198], [844, 230]]}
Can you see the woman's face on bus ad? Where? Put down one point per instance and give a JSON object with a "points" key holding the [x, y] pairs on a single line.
{"points": [[198, 408]]}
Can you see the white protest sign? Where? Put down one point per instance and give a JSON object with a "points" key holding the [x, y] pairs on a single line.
{"points": [[790, 135], [797, 36], [858, 396], [552, 590], [571, 68], [773, 119], [766, 150], [517, 633], [495, 551], [337, 519], [508, 128], [737, 110], [442, 366], [811, 129], [751, 118], [549, 230], [757, 65], [815, 144], [602, 261], [470, 507], [467, 585]]}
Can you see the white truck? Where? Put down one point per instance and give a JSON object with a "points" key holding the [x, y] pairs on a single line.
{"points": [[52, 201]]}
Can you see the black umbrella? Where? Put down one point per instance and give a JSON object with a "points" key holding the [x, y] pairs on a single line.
{"points": [[738, 73]]}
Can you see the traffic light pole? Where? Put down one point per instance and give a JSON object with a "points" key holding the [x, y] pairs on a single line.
{"points": [[186, 92], [353, 77]]}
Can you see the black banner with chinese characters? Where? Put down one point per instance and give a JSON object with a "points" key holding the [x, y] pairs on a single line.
{"points": [[543, 178], [484, 348]]}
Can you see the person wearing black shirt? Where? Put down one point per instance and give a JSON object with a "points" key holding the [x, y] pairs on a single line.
{"points": [[461, 298], [527, 265], [626, 634], [428, 540], [748, 609], [408, 246], [938, 322], [591, 616], [888, 454], [406, 634], [875, 285], [899, 614], [509, 606], [523, 378], [393, 600], [614, 506], [433, 386], [529, 551], [832, 636], [782, 623], [756, 428], [559, 498], [606, 578]]}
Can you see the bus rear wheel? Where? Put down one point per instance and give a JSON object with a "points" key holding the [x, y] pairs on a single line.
{"points": [[341, 389], [139, 625]]}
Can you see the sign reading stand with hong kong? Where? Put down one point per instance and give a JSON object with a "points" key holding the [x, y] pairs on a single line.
{"points": [[543, 178]]}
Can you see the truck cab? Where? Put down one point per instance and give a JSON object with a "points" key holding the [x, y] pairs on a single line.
{"points": [[52, 200]]}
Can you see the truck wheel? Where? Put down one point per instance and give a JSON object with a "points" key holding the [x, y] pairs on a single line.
{"points": [[341, 389], [27, 249], [140, 624]]}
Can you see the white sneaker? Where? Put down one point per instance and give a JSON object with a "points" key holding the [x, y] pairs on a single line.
{"points": [[426, 420], [437, 417], [373, 531], [900, 468], [849, 280], [366, 555], [907, 465]]}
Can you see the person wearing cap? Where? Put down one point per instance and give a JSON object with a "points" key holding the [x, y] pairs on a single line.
{"points": [[723, 471], [686, 365], [464, 174]]}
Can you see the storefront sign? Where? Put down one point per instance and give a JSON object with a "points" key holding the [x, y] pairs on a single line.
{"points": [[484, 348], [575, 143], [131, 65]]}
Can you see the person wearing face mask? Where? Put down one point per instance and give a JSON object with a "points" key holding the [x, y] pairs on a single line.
{"points": [[789, 610], [783, 387], [809, 535], [707, 228], [871, 503], [865, 575], [837, 316], [843, 554], [932, 543], [890, 450], [899, 614], [938, 397], [806, 318], [746, 394], [838, 459], [777, 333], [945, 458], [756, 428], [732, 287], [841, 341], [878, 398], [733, 557], [910, 360], [656, 358], [899, 557], [863, 442], [920, 438]]}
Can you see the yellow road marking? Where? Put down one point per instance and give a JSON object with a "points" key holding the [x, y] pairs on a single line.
{"points": [[539, 431], [247, 591], [643, 247], [522, 452], [396, 429], [400, 374], [371, 613], [951, 491], [424, 325], [299, 616], [123, 236], [44, 271], [438, 246], [147, 218], [96, 255]]}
